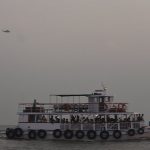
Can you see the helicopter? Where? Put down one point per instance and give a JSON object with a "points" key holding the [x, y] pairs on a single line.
{"points": [[6, 31]]}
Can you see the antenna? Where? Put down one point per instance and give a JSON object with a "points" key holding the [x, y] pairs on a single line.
{"points": [[103, 86]]}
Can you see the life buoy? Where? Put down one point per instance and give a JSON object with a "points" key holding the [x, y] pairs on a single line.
{"points": [[117, 134], [68, 134], [140, 131], [131, 132], [79, 134], [57, 133], [18, 132], [104, 135], [66, 107], [32, 134], [10, 133], [42, 133], [91, 134]]}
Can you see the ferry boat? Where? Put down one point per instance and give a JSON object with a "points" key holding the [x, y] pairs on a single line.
{"points": [[93, 116]]}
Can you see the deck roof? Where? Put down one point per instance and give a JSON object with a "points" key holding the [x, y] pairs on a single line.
{"points": [[87, 95]]}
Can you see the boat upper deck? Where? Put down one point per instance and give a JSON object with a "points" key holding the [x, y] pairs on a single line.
{"points": [[96, 102], [72, 108]]}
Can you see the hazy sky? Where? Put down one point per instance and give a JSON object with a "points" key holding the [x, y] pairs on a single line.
{"points": [[71, 46]]}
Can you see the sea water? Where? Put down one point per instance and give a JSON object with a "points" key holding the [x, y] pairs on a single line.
{"points": [[6, 144]]}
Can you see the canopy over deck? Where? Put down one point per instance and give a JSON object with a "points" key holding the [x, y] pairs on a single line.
{"points": [[69, 95], [82, 95]]}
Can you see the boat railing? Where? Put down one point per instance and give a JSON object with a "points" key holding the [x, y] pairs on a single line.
{"points": [[135, 125], [71, 107], [39, 108], [101, 126], [125, 125], [112, 126]]}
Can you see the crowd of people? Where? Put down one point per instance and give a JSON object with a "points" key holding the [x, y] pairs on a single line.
{"points": [[93, 119]]}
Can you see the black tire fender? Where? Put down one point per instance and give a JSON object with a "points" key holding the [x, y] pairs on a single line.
{"points": [[32, 134], [140, 131], [18, 132], [131, 132], [117, 134], [57, 133], [68, 134], [79, 134], [91, 134], [42, 134], [104, 135], [10, 133]]}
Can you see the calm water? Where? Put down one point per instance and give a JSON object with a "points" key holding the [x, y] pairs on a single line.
{"points": [[6, 144], [67, 145]]}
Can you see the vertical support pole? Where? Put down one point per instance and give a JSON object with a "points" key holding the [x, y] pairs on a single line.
{"points": [[73, 99], [93, 123], [79, 105], [81, 126], [118, 126], [105, 122], [61, 104], [72, 107], [81, 123], [49, 107], [131, 125], [61, 122], [35, 118], [61, 100], [56, 99], [49, 98], [70, 122]]}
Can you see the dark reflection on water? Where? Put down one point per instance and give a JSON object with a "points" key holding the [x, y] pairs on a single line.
{"points": [[72, 145]]}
